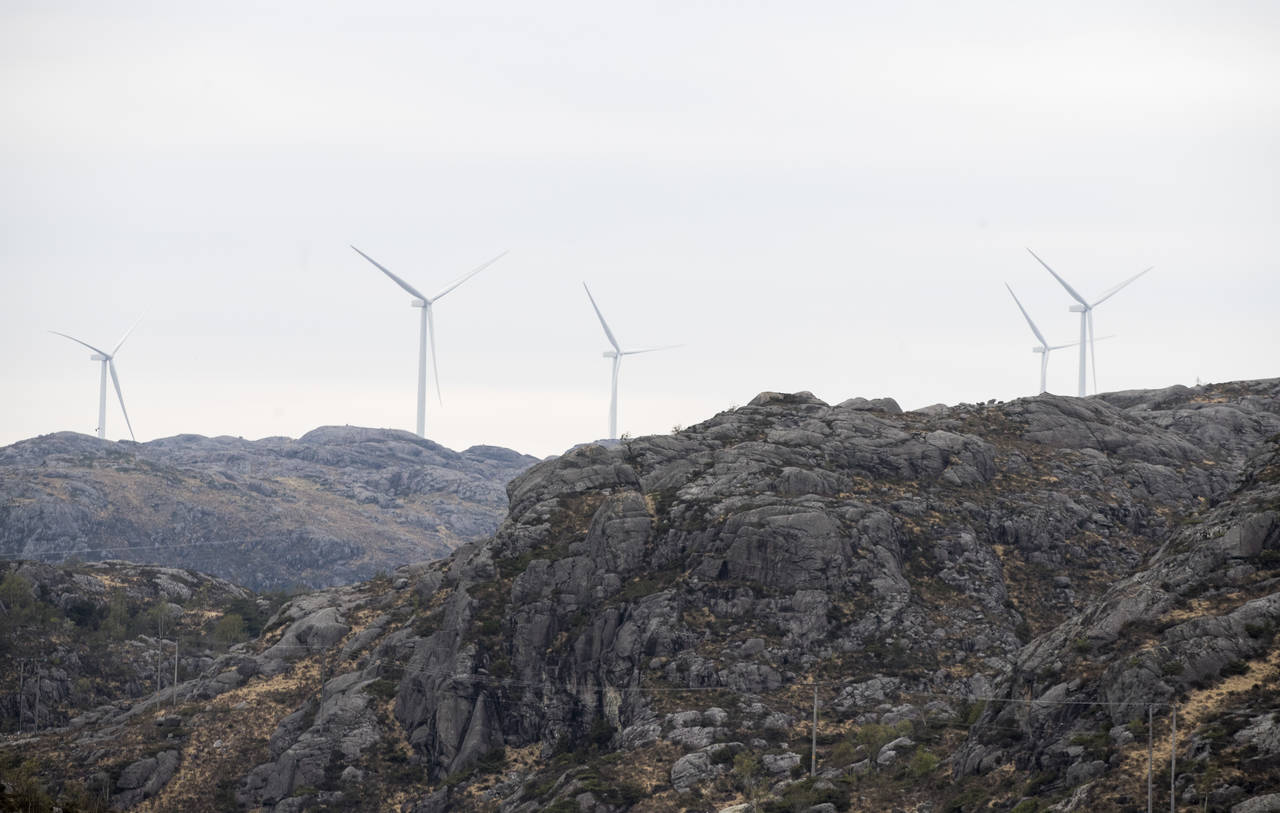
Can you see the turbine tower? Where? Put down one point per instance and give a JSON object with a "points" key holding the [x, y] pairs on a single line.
{"points": [[1085, 309], [107, 361], [1045, 348], [427, 328], [616, 354]]}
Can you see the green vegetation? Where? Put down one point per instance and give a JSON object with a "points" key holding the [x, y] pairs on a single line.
{"points": [[230, 629], [923, 763]]}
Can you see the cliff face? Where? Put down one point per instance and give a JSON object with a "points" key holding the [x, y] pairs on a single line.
{"points": [[981, 599], [333, 507]]}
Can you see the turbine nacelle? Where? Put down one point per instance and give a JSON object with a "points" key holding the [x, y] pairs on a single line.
{"points": [[418, 303], [99, 357], [1077, 309], [611, 354]]}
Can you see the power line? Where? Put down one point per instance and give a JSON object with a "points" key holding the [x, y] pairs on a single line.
{"points": [[10, 557], [504, 682]]}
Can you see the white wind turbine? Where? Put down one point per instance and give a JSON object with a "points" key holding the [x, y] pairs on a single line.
{"points": [[1045, 348], [427, 327], [1085, 309], [108, 366], [616, 354]]}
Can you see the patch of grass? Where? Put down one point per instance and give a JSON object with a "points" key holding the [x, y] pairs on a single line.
{"points": [[383, 688], [973, 797], [802, 795]]}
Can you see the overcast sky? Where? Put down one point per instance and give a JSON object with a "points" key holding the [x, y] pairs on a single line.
{"points": [[821, 196]]}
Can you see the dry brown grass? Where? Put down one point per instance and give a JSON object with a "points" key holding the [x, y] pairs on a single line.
{"points": [[1200, 705], [244, 733]]}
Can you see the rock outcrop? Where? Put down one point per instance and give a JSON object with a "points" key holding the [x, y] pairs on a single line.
{"points": [[981, 602]]}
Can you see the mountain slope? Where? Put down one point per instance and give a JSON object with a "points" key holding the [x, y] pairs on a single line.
{"points": [[333, 507], [653, 624]]}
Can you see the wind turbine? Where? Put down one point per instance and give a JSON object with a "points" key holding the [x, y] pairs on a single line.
{"points": [[1045, 348], [108, 366], [616, 354], [427, 327], [1085, 309]]}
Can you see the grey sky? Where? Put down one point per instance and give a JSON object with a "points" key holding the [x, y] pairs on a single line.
{"points": [[821, 196]]}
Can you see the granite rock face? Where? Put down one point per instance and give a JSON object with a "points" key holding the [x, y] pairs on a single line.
{"points": [[919, 551], [332, 507], [1195, 627], [653, 619]]}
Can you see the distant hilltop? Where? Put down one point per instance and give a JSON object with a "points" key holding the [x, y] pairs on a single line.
{"points": [[335, 506]]}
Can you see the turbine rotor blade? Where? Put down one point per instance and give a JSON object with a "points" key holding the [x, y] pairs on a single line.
{"points": [[435, 365], [111, 366], [394, 278], [1113, 291], [86, 344], [125, 336], [1027, 316], [649, 349], [468, 276], [1070, 290], [607, 332], [1073, 344]]}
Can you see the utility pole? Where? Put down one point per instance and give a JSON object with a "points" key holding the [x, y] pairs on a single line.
{"points": [[175, 672], [813, 752], [1151, 758], [1173, 756], [22, 662], [35, 724]]}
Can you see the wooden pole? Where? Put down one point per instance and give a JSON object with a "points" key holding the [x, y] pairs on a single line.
{"points": [[1151, 761], [813, 752], [22, 662], [1173, 758]]}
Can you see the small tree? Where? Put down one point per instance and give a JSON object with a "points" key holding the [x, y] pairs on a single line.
{"points": [[229, 629], [116, 624], [15, 595], [747, 777]]}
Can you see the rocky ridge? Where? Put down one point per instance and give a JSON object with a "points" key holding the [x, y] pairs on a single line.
{"points": [[332, 507], [78, 643], [982, 599]]}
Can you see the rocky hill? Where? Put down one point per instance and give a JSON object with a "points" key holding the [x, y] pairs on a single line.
{"points": [[977, 603], [333, 507], [84, 641]]}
